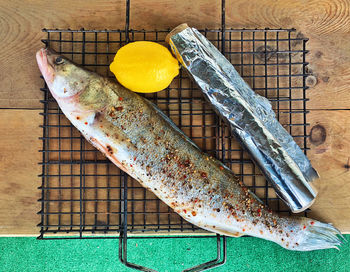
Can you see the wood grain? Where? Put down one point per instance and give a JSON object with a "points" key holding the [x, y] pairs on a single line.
{"points": [[326, 23], [330, 155], [21, 24], [19, 193], [19, 171], [20, 34]]}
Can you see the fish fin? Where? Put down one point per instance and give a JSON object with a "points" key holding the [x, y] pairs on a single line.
{"points": [[256, 197], [96, 143], [227, 233], [217, 229], [166, 118], [234, 234], [319, 236]]}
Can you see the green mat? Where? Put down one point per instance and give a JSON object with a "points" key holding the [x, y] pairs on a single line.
{"points": [[244, 254]]}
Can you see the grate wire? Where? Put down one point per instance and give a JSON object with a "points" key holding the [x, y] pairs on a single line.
{"points": [[73, 171], [83, 195]]}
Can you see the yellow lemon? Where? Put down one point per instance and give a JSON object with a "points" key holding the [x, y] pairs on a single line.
{"points": [[144, 67]]}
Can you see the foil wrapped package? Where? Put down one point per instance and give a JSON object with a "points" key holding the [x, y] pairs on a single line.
{"points": [[250, 116]]}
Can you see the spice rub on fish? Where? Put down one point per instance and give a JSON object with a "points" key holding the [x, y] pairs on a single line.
{"points": [[137, 137]]}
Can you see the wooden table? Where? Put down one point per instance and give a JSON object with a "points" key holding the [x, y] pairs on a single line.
{"points": [[326, 23]]}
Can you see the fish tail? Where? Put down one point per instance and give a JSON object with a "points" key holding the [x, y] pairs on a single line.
{"points": [[319, 236]]}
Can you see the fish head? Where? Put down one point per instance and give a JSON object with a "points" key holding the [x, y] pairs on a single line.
{"points": [[79, 92], [64, 78]]}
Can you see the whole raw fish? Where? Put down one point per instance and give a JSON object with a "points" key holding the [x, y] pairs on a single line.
{"points": [[137, 137]]}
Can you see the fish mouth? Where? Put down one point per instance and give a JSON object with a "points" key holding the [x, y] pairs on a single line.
{"points": [[45, 58]]}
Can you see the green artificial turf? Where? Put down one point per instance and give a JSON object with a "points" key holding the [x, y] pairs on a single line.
{"points": [[244, 254]]}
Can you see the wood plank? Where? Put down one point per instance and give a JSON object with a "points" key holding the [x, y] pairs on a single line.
{"points": [[326, 23], [19, 193], [330, 155], [20, 35], [19, 171]]}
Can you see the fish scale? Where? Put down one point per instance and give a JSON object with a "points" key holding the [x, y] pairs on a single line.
{"points": [[142, 141]]}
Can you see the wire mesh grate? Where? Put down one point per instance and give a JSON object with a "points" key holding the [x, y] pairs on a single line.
{"points": [[84, 194]]}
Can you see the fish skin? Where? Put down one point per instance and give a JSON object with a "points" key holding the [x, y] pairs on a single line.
{"points": [[137, 137]]}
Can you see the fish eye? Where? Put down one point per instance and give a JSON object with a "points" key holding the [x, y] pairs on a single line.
{"points": [[59, 60]]}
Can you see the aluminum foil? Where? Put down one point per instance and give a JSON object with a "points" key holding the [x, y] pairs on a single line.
{"points": [[250, 117]]}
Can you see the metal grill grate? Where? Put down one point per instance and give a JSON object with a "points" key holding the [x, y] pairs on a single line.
{"points": [[85, 196], [82, 191]]}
